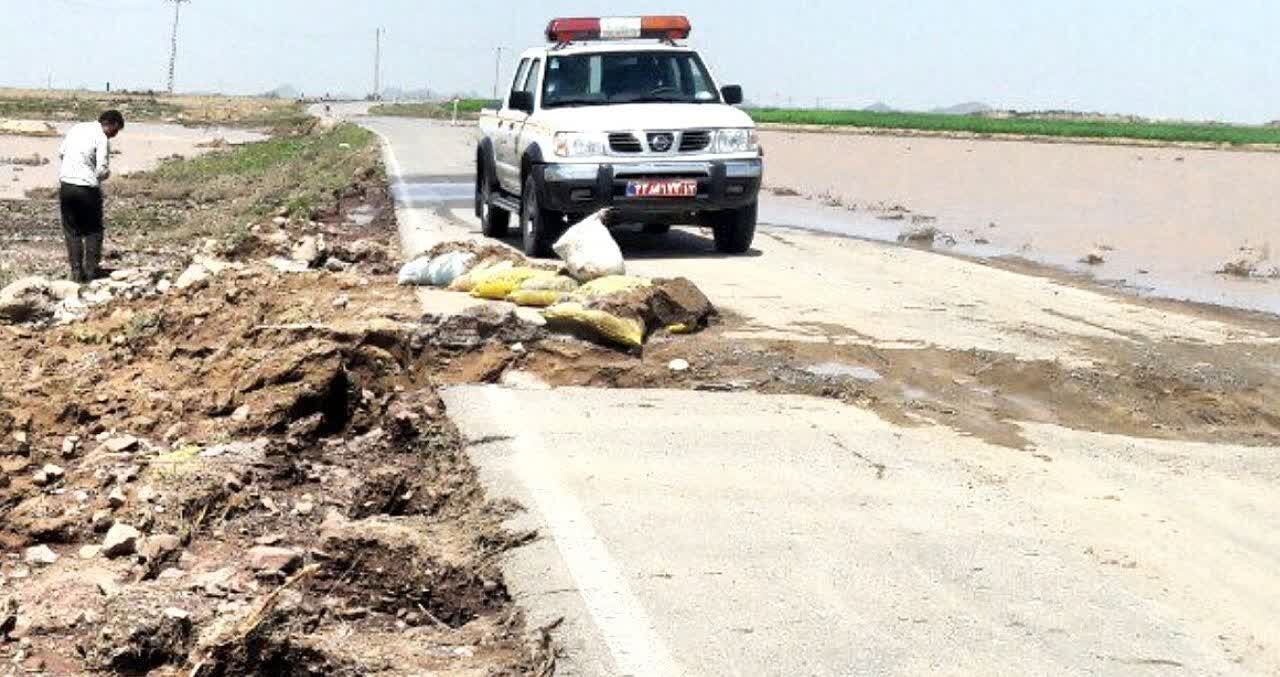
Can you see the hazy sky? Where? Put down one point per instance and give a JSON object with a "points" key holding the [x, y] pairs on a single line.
{"points": [[1166, 58]]}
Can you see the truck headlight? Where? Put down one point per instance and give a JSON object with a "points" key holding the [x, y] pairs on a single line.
{"points": [[736, 141], [580, 144]]}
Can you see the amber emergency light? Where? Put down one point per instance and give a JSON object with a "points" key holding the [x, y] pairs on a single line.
{"points": [[561, 31]]}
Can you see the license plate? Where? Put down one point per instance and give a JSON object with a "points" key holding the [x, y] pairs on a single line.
{"points": [[663, 188]]}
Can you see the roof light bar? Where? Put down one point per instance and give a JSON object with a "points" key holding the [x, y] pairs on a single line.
{"points": [[618, 28]]}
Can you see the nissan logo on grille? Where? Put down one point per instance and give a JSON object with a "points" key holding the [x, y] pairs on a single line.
{"points": [[661, 142]]}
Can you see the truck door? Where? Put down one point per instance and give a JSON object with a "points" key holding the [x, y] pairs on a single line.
{"points": [[507, 162], [520, 139]]}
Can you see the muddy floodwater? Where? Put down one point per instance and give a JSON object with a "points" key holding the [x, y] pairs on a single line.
{"points": [[141, 146], [1163, 220]]}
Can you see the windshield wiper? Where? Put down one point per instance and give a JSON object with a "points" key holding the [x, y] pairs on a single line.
{"points": [[576, 102], [655, 99]]}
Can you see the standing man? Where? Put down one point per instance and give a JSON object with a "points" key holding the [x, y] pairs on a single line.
{"points": [[86, 163]]}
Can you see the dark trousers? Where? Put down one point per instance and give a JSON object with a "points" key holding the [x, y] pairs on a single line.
{"points": [[82, 228]]}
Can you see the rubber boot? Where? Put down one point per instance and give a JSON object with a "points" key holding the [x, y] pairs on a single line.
{"points": [[92, 256], [75, 256]]}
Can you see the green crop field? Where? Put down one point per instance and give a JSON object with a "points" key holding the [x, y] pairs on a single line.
{"points": [[1236, 135], [467, 108]]}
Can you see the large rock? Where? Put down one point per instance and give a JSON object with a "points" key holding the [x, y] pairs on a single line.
{"points": [[158, 546], [139, 632], [40, 555], [195, 276], [272, 558], [121, 443], [121, 540], [64, 290], [679, 301], [26, 300], [310, 250], [49, 474]]}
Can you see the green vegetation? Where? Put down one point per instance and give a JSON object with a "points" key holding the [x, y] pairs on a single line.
{"points": [[1026, 125], [442, 110], [30, 107], [276, 115], [219, 194]]}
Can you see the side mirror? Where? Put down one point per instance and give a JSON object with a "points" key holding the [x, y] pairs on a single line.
{"points": [[732, 94], [522, 101]]}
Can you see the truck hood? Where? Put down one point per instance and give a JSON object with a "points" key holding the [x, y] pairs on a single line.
{"points": [[643, 116]]}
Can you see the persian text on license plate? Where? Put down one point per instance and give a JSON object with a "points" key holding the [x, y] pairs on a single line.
{"points": [[663, 188]]}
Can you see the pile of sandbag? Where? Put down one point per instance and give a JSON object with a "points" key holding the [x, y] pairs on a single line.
{"points": [[589, 294]]}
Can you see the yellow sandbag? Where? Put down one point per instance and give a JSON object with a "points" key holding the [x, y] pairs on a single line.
{"points": [[620, 330], [538, 298], [497, 285], [549, 283], [612, 284], [467, 282]]}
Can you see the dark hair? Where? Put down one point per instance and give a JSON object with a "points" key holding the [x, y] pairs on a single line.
{"points": [[112, 117]]}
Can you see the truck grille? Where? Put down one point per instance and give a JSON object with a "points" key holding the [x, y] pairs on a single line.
{"points": [[694, 141], [624, 142], [660, 143]]}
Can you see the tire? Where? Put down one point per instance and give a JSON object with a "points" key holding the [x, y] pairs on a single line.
{"points": [[735, 229], [657, 228], [539, 227], [494, 221]]}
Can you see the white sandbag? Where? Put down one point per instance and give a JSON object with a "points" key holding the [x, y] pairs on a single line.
{"points": [[416, 272], [589, 250], [445, 268]]}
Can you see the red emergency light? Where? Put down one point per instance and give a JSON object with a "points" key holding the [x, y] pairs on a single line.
{"points": [[618, 28]]}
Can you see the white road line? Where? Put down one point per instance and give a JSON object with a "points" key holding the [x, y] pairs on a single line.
{"points": [[409, 220], [630, 635]]}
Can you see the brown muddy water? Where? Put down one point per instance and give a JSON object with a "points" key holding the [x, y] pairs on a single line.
{"points": [[1162, 219]]}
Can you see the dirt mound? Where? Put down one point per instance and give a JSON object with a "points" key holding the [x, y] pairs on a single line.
{"points": [[229, 423]]}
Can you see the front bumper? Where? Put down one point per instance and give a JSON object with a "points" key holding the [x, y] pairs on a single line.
{"points": [[585, 188]]}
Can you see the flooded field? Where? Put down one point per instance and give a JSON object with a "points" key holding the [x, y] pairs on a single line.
{"points": [[32, 162], [1159, 220]]}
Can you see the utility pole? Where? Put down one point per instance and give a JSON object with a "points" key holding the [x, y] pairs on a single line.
{"points": [[173, 40], [377, 64], [497, 71]]}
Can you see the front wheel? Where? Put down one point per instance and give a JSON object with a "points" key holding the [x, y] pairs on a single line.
{"points": [[539, 227], [494, 221], [734, 229]]}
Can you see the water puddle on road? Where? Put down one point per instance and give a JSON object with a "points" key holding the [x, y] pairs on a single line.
{"points": [[842, 370]]}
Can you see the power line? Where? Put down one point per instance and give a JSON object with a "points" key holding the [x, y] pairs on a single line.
{"points": [[173, 41]]}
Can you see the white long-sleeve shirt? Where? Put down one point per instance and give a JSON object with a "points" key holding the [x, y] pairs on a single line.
{"points": [[86, 155]]}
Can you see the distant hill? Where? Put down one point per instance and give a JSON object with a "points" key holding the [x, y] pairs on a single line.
{"points": [[966, 108], [283, 92], [880, 107]]}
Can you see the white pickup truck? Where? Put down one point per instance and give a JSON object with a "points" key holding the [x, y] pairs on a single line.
{"points": [[614, 113]]}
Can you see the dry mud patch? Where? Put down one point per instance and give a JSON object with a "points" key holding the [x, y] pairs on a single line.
{"points": [[1151, 389]]}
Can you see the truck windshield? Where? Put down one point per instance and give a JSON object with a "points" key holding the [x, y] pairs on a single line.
{"points": [[627, 77]]}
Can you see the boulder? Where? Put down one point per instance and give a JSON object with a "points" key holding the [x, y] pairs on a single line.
{"points": [[49, 474], [121, 443], [157, 546], [679, 301], [273, 558], [64, 290], [27, 300], [195, 276], [310, 250], [121, 540], [40, 556]]}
